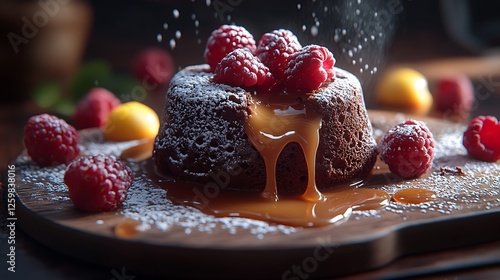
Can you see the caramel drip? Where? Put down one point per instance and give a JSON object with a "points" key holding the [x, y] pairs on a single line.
{"points": [[272, 125], [274, 122], [414, 196]]}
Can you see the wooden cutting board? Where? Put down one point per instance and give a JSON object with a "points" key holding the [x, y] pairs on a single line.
{"points": [[181, 241]]}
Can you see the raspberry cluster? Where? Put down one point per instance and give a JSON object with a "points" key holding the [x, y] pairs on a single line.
{"points": [[277, 61]]}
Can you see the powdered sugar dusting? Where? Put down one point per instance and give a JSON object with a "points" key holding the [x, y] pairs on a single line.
{"points": [[477, 190], [145, 201], [48, 178], [208, 140], [148, 204]]}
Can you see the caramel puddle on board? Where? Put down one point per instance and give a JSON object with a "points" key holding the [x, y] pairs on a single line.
{"points": [[288, 210], [271, 126], [414, 196]]}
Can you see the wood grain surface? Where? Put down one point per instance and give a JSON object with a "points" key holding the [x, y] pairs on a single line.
{"points": [[461, 215]]}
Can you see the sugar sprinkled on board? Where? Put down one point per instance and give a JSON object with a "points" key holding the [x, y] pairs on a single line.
{"points": [[148, 204], [473, 189], [477, 189], [145, 201]]}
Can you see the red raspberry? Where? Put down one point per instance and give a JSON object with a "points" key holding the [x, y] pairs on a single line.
{"points": [[49, 140], [481, 139], [94, 108], [226, 39], [454, 95], [308, 68], [408, 149], [241, 68], [275, 49], [153, 67], [98, 183]]}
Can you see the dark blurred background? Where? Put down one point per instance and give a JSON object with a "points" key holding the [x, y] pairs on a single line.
{"points": [[115, 31]]}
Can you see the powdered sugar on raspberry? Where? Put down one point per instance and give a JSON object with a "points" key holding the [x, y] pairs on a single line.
{"points": [[408, 149], [241, 68], [275, 48], [478, 189], [309, 68], [226, 39]]}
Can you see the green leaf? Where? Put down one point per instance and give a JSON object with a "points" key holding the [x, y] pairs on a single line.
{"points": [[47, 94], [126, 88], [65, 107], [94, 73]]}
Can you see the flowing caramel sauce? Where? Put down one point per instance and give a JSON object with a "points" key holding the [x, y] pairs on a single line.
{"points": [[277, 120], [274, 122], [337, 204], [414, 196]]}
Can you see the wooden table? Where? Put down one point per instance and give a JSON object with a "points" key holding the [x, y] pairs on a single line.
{"points": [[34, 260]]}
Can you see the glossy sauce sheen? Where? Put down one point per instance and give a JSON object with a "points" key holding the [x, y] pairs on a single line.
{"points": [[270, 127], [414, 196]]}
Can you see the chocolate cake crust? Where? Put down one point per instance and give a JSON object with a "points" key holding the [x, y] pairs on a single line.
{"points": [[202, 136]]}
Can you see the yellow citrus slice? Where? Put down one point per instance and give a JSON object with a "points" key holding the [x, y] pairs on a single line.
{"points": [[406, 90], [131, 121]]}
